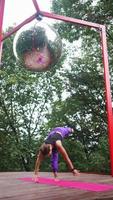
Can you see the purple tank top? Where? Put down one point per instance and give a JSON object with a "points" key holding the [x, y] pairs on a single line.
{"points": [[65, 131]]}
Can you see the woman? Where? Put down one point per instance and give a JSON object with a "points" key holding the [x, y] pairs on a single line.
{"points": [[51, 146]]}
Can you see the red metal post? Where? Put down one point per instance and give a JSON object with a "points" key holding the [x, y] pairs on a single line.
{"points": [[108, 93], [36, 5], [2, 5]]}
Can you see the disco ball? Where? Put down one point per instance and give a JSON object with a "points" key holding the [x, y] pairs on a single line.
{"points": [[37, 46]]}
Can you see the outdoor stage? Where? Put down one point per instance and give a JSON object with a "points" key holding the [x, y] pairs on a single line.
{"points": [[19, 185]]}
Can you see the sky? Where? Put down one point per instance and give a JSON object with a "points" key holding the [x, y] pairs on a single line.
{"points": [[16, 11]]}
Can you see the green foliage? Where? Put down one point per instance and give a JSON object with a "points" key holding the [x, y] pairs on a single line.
{"points": [[99, 159], [84, 107], [25, 98]]}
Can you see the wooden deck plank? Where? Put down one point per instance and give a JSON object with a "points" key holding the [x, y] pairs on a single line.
{"points": [[13, 189]]}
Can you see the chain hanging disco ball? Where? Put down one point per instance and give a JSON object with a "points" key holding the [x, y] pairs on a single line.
{"points": [[37, 46]]}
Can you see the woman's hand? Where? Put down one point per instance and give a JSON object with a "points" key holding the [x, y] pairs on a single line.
{"points": [[35, 178], [75, 172]]}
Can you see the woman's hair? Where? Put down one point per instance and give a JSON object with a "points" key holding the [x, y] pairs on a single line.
{"points": [[45, 149]]}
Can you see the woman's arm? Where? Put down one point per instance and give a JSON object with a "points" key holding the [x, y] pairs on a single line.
{"points": [[62, 150], [37, 164]]}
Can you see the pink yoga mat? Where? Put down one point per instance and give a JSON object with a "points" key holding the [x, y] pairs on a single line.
{"points": [[71, 184]]}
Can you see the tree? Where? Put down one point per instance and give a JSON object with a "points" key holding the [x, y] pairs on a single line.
{"points": [[84, 107], [25, 100]]}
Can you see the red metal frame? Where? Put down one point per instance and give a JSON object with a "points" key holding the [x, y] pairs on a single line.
{"points": [[102, 30], [2, 5], [36, 5], [108, 93]]}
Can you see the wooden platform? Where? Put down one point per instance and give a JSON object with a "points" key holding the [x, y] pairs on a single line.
{"points": [[13, 189]]}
